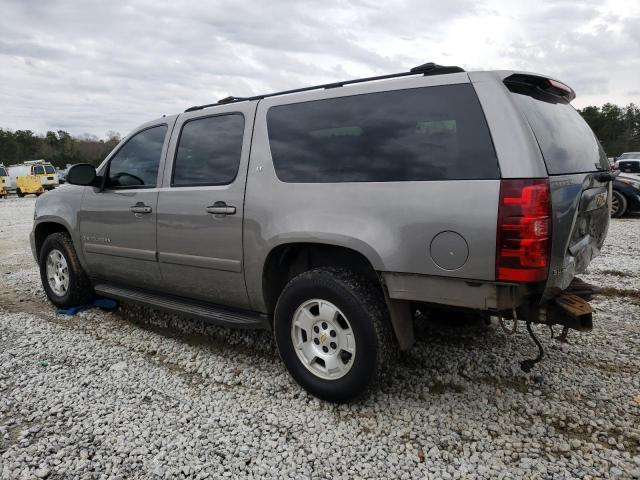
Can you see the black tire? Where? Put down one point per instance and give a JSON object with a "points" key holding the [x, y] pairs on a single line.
{"points": [[618, 205], [80, 291], [363, 305], [19, 192]]}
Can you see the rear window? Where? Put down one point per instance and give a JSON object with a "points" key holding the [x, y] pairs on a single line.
{"points": [[630, 166], [431, 133], [49, 169], [567, 143]]}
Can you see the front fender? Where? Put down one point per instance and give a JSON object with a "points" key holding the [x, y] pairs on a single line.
{"points": [[60, 207]]}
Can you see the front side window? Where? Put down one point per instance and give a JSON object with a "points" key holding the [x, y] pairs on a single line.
{"points": [[49, 169], [420, 134], [38, 170], [3, 172], [209, 151], [135, 165]]}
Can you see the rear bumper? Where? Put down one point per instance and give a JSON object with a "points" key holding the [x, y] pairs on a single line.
{"points": [[455, 292]]}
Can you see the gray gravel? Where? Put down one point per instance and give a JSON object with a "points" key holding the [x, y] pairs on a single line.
{"points": [[137, 394]]}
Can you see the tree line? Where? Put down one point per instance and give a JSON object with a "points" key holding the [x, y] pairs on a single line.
{"points": [[59, 147], [617, 128]]}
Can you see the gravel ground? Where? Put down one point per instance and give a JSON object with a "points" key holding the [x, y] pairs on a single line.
{"points": [[138, 394]]}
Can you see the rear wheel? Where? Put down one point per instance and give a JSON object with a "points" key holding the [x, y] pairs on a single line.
{"points": [[19, 192], [618, 204], [63, 279], [333, 333]]}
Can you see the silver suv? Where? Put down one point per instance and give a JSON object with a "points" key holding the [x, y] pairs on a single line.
{"points": [[336, 215]]}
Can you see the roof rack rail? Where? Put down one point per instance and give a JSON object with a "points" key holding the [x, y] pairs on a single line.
{"points": [[425, 69]]}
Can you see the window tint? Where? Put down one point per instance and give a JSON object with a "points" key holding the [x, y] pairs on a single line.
{"points": [[567, 143], [209, 151], [432, 133], [136, 163], [38, 170], [49, 169]]}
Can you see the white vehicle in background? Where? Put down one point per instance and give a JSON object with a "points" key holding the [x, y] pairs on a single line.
{"points": [[628, 162], [41, 169], [4, 175]]}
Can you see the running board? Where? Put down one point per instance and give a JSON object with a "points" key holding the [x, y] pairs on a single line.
{"points": [[215, 314]]}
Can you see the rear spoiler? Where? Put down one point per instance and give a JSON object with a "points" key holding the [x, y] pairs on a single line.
{"points": [[549, 86]]}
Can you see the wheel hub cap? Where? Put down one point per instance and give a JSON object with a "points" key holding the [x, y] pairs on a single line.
{"points": [[323, 339], [57, 272]]}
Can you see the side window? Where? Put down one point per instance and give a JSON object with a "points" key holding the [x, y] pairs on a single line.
{"points": [[419, 134], [135, 165], [38, 170], [209, 151]]}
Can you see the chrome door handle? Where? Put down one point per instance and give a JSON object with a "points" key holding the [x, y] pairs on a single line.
{"points": [[140, 208], [221, 208]]}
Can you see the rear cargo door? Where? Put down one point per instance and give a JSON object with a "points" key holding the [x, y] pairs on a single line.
{"points": [[580, 191]]}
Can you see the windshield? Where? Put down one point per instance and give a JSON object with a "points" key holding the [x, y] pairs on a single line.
{"points": [[627, 156], [567, 143], [49, 169]]}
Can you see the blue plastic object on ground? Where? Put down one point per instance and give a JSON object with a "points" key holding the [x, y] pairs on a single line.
{"points": [[105, 303]]}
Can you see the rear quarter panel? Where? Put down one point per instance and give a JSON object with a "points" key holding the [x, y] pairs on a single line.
{"points": [[390, 223]]}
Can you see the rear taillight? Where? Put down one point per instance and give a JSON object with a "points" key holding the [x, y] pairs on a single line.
{"points": [[524, 230]]}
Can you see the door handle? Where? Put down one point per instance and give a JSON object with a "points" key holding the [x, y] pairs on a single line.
{"points": [[140, 208], [221, 208]]}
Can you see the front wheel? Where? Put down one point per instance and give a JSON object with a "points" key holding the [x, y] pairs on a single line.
{"points": [[63, 278], [333, 333], [618, 204]]}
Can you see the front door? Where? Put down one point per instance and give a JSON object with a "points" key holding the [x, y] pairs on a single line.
{"points": [[200, 206], [118, 222]]}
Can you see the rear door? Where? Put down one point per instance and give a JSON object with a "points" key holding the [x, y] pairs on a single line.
{"points": [[200, 207], [575, 163]]}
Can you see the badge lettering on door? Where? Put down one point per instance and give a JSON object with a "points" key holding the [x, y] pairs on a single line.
{"points": [[94, 239]]}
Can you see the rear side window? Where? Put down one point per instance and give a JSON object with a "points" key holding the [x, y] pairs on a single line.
{"points": [[209, 151], [135, 165], [431, 133], [567, 143]]}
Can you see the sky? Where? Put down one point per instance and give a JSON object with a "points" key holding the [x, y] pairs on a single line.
{"points": [[97, 66]]}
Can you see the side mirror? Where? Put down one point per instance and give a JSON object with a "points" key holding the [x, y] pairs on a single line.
{"points": [[82, 174]]}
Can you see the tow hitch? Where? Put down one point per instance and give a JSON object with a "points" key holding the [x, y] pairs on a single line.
{"points": [[565, 309], [570, 311]]}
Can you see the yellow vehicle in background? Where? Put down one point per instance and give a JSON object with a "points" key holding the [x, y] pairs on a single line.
{"points": [[27, 184], [3, 189]]}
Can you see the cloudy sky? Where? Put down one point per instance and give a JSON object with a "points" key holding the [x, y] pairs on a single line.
{"points": [[94, 66]]}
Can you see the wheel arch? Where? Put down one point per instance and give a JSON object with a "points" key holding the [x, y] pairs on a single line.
{"points": [[288, 260], [43, 229]]}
